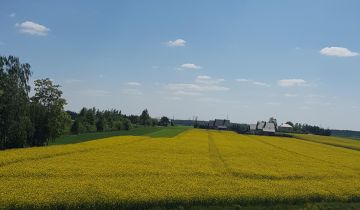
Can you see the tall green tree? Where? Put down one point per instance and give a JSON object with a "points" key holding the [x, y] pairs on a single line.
{"points": [[14, 102], [51, 124], [145, 118], [164, 121], [127, 124]]}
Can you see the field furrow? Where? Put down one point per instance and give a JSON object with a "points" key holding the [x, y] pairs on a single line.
{"points": [[193, 168]]}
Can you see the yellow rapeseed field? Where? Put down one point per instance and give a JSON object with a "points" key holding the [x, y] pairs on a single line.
{"points": [[195, 167]]}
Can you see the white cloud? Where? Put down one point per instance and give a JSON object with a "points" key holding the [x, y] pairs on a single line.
{"points": [[319, 103], [12, 15], [263, 84], [130, 91], [176, 43], [257, 83], [190, 66], [186, 93], [133, 83], [195, 87], [290, 95], [204, 79], [242, 80], [173, 98], [203, 83], [155, 67], [315, 96], [188, 87], [291, 82], [338, 51], [32, 28], [273, 103]]}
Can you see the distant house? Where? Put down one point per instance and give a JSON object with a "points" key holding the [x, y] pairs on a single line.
{"points": [[269, 128], [253, 127], [262, 127], [285, 128], [219, 124], [211, 124]]}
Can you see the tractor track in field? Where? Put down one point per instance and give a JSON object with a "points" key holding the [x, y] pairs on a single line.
{"points": [[219, 164], [303, 155], [49, 156], [328, 143], [217, 161]]}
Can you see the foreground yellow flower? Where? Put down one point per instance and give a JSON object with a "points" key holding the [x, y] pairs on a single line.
{"points": [[195, 167]]}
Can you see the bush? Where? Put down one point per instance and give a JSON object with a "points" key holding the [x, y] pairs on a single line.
{"points": [[127, 124], [118, 125]]}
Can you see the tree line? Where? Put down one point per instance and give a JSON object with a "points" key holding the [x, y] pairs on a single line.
{"points": [[95, 120], [310, 129], [25, 120], [34, 121]]}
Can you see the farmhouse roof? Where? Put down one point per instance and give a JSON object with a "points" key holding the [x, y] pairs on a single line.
{"points": [[269, 127], [285, 125], [211, 123], [252, 127], [219, 122], [261, 125]]}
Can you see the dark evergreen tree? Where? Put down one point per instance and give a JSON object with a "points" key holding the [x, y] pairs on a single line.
{"points": [[145, 118], [164, 121]]}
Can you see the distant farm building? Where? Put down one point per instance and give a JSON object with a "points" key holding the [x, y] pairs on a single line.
{"points": [[263, 127], [285, 128], [219, 124], [269, 128]]}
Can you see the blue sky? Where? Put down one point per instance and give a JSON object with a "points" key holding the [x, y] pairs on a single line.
{"points": [[248, 60]]}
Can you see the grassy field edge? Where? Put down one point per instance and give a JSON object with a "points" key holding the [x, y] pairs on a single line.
{"points": [[139, 131]]}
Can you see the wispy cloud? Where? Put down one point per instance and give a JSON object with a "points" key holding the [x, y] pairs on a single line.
{"points": [[290, 95], [32, 28], [195, 87], [190, 66], [319, 103], [12, 15], [263, 84], [338, 51], [272, 103], [204, 79], [133, 83], [186, 93], [242, 80], [155, 67], [173, 98], [257, 83], [203, 83], [292, 82], [176, 43], [131, 91]]}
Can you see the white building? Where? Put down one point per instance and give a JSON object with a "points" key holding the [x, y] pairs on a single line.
{"points": [[263, 127], [285, 128]]}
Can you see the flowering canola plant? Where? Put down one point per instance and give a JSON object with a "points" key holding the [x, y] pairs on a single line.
{"points": [[194, 167]]}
